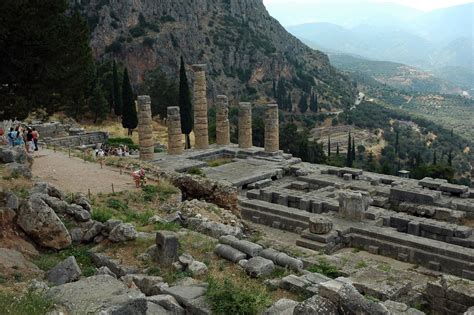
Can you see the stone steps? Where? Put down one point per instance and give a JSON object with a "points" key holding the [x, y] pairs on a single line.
{"points": [[273, 220], [314, 245], [275, 209]]}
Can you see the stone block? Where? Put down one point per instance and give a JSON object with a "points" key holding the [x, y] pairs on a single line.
{"points": [[320, 225], [414, 228], [167, 245], [247, 247], [259, 266]]}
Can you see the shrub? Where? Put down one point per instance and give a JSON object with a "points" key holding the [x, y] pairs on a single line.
{"points": [[101, 214], [325, 268], [167, 226], [116, 204], [218, 162], [226, 297], [81, 253], [115, 47], [196, 171], [137, 31], [31, 303], [115, 142]]}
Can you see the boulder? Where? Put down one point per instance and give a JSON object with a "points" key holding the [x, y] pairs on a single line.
{"points": [[320, 225], [17, 169], [316, 305], [59, 206], [109, 226], [259, 266], [77, 234], [123, 232], [114, 265], [186, 259], [197, 268], [185, 294], [12, 262], [12, 201], [93, 231], [168, 302], [149, 285], [79, 213], [282, 307], [42, 224], [140, 306], [48, 189], [213, 229], [66, 271], [229, 253], [81, 200], [92, 295], [105, 271]]}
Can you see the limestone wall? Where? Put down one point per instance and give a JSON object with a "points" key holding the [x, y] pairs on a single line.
{"points": [[78, 140]]}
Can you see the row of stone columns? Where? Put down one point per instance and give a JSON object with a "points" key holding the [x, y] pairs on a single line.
{"points": [[175, 145]]}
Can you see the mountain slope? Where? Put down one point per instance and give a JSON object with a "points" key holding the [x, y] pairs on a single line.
{"points": [[244, 47]]}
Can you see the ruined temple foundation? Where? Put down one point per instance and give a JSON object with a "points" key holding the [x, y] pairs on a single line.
{"points": [[245, 125], [272, 136], [200, 107], [222, 121], [145, 128], [175, 143]]}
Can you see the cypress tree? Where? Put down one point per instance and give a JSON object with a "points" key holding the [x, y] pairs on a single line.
{"points": [[450, 158], [185, 105], [353, 149], [349, 151], [329, 146], [289, 104], [303, 104], [434, 158], [281, 94], [396, 142], [337, 149], [116, 95], [313, 104], [129, 111]]}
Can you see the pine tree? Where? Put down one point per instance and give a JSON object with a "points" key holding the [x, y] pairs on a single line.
{"points": [[329, 146], [185, 105], [303, 104], [116, 93], [98, 103], [129, 110], [349, 151]]}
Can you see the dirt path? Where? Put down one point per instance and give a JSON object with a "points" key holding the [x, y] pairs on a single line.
{"points": [[75, 175]]}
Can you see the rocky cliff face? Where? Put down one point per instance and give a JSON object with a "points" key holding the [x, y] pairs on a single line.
{"points": [[245, 48]]}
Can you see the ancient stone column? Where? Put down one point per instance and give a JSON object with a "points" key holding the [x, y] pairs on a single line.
{"points": [[145, 128], [200, 107], [175, 143], [272, 131], [245, 125], [222, 121]]}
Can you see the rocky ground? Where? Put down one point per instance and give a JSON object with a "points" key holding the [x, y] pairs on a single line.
{"points": [[147, 251]]}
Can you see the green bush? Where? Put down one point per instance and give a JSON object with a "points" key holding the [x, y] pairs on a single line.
{"points": [[116, 204], [101, 214], [115, 142], [137, 31], [47, 261], [226, 297], [325, 268], [31, 303], [196, 171], [167, 226]]}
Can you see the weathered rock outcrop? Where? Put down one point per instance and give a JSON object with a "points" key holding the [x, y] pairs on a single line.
{"points": [[240, 42], [42, 224]]}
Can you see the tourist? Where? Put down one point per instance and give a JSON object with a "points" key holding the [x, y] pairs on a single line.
{"points": [[30, 145], [11, 137], [18, 136], [35, 138], [139, 177]]}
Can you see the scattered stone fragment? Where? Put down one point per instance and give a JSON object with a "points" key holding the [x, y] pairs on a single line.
{"points": [[282, 259], [168, 302], [282, 307], [167, 245], [93, 231], [259, 266], [320, 225], [247, 247], [105, 271], [123, 232], [316, 305], [197, 268], [212, 228], [66, 271]]}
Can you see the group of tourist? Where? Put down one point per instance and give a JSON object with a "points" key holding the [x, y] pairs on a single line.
{"points": [[104, 150], [20, 136]]}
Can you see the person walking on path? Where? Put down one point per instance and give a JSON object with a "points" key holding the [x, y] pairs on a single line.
{"points": [[11, 137], [30, 146], [35, 138]]}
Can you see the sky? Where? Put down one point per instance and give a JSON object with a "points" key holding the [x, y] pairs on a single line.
{"points": [[424, 5]]}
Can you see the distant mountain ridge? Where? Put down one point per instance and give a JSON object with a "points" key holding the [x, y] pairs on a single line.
{"points": [[441, 39]]}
